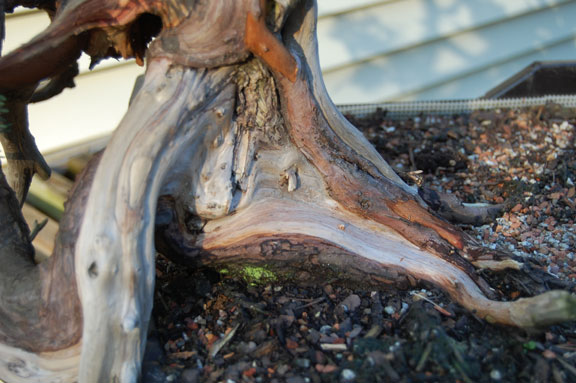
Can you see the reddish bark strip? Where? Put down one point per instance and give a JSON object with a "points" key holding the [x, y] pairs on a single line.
{"points": [[265, 45], [351, 180], [16, 73], [413, 212], [367, 194]]}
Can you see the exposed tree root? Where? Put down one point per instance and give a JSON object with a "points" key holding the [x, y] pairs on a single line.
{"points": [[451, 208], [223, 158]]}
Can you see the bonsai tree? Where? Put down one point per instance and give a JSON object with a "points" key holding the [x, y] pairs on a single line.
{"points": [[231, 152]]}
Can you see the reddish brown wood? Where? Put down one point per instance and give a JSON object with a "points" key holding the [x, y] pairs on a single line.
{"points": [[39, 306], [265, 45], [17, 72]]}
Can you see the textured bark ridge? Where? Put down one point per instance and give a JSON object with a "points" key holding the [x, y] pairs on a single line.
{"points": [[231, 152]]}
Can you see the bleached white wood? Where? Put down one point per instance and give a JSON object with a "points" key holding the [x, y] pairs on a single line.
{"points": [[18, 366], [173, 112], [212, 183]]}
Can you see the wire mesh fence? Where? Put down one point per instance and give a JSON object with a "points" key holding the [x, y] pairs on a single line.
{"points": [[407, 109]]}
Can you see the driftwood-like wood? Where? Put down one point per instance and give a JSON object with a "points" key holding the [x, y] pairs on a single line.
{"points": [[231, 152]]}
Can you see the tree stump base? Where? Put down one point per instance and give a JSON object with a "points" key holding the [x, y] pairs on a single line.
{"points": [[231, 152]]}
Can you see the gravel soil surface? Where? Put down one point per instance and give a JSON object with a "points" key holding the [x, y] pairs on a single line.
{"points": [[216, 326]]}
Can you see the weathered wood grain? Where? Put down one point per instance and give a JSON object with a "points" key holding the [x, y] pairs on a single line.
{"points": [[230, 152]]}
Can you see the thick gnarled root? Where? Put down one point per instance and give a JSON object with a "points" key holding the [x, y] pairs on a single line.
{"points": [[451, 208], [293, 233]]}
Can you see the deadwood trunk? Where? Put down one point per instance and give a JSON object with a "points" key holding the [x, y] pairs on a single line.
{"points": [[231, 152]]}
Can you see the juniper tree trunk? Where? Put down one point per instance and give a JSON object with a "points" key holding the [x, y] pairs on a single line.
{"points": [[231, 152]]}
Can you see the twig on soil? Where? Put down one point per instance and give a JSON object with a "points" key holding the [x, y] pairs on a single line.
{"points": [[252, 306], [424, 357], [333, 347], [436, 306], [454, 210], [567, 365], [217, 346], [312, 303], [462, 373]]}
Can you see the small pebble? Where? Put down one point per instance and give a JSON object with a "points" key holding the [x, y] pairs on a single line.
{"points": [[295, 379], [350, 303], [404, 307], [348, 375], [282, 369], [389, 310], [190, 375], [496, 375], [302, 362]]}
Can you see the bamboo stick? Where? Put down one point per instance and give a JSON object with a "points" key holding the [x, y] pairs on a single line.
{"points": [[49, 196], [45, 238]]}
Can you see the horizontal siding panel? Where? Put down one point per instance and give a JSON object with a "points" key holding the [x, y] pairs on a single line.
{"points": [[333, 7], [95, 107], [388, 77], [478, 83], [23, 28], [364, 34]]}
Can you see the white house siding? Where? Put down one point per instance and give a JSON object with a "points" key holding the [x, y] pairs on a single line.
{"points": [[370, 51], [418, 49]]}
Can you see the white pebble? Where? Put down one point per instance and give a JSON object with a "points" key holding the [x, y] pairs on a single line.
{"points": [[404, 308], [348, 375], [496, 375]]}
